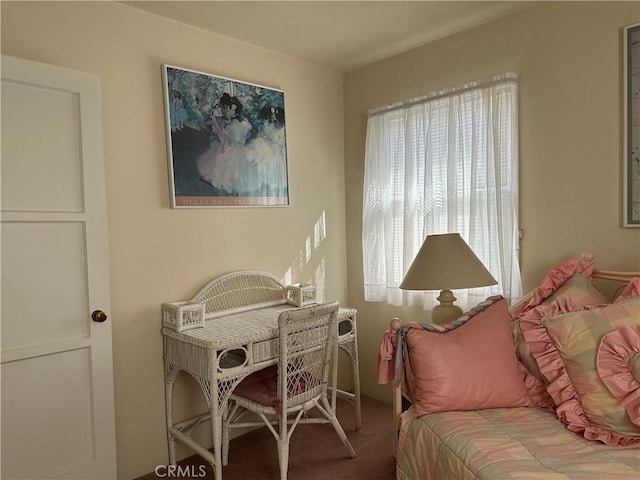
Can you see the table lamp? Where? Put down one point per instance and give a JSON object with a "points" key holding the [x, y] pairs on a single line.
{"points": [[446, 262]]}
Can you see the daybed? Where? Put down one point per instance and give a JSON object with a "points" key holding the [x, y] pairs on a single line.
{"points": [[545, 389]]}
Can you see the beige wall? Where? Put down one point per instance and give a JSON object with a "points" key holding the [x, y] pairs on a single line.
{"points": [[569, 61], [569, 57], [159, 254]]}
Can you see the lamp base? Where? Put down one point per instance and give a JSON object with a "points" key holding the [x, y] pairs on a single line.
{"points": [[446, 312]]}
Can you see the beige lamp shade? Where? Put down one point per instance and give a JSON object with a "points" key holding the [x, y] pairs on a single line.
{"points": [[446, 262]]}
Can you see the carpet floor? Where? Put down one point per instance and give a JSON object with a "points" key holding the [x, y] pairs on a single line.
{"points": [[315, 451]]}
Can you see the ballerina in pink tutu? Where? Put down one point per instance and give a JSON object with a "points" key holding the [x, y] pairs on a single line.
{"points": [[224, 164]]}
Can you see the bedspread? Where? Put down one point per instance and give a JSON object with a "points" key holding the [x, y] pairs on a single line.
{"points": [[502, 444]]}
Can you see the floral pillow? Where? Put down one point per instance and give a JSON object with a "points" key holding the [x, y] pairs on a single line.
{"points": [[587, 356]]}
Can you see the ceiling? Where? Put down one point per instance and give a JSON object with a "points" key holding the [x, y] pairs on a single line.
{"points": [[340, 35]]}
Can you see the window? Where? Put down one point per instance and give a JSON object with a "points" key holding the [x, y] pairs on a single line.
{"points": [[446, 162]]}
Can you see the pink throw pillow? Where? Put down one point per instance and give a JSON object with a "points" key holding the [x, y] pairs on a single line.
{"points": [[470, 367], [619, 368], [572, 280], [566, 341]]}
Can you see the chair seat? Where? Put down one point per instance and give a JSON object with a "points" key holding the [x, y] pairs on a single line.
{"points": [[262, 386]]}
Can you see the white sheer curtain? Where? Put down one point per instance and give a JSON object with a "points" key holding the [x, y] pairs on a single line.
{"points": [[446, 162]]}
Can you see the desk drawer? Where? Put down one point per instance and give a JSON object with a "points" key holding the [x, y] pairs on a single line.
{"points": [[265, 350]]}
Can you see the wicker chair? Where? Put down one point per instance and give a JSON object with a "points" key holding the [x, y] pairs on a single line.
{"points": [[281, 395]]}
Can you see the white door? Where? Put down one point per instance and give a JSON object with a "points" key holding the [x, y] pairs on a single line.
{"points": [[56, 362]]}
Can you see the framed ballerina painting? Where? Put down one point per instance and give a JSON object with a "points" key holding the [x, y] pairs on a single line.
{"points": [[226, 141]]}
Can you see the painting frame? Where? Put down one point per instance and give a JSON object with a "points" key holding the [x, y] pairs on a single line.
{"points": [[631, 126], [226, 141]]}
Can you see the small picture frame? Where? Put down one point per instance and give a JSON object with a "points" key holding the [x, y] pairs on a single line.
{"points": [[631, 147], [226, 141]]}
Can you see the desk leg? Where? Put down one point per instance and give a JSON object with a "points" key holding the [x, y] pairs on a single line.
{"points": [[170, 378], [225, 437], [356, 387], [356, 383], [216, 426], [350, 347]]}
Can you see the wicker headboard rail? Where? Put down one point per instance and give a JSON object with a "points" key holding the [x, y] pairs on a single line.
{"points": [[240, 291]]}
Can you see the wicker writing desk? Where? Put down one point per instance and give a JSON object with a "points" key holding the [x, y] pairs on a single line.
{"points": [[228, 330]]}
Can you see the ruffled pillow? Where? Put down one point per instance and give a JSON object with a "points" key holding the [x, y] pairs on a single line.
{"points": [[564, 340], [534, 380], [571, 280], [619, 368]]}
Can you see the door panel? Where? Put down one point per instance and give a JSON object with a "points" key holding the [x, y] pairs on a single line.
{"points": [[40, 149], [51, 413], [56, 363], [31, 267]]}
